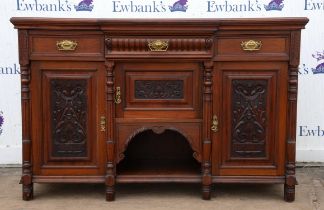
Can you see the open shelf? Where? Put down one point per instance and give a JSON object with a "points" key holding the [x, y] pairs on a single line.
{"points": [[159, 171], [165, 157]]}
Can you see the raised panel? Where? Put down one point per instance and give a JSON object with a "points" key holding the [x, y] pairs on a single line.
{"points": [[250, 116], [69, 114], [68, 99], [159, 89]]}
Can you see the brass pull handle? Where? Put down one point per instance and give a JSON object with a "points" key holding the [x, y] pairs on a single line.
{"points": [[214, 126], [158, 45], [251, 45], [102, 123], [66, 45], [117, 96]]}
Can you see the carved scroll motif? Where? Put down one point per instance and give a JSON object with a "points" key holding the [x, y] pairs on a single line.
{"points": [[249, 118], [159, 89], [69, 118]]}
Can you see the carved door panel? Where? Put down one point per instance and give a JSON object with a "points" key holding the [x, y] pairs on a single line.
{"points": [[158, 90], [68, 138], [250, 101]]}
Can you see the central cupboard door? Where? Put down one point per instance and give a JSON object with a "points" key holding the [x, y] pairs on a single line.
{"points": [[250, 102], [158, 90]]}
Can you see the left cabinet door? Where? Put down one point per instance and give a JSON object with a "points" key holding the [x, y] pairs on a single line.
{"points": [[68, 112]]}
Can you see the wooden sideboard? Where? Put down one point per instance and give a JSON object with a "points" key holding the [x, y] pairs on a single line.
{"points": [[142, 101]]}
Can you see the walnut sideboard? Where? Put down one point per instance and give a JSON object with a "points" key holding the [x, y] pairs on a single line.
{"points": [[142, 101]]}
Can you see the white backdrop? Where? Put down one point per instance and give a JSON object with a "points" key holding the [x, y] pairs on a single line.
{"points": [[310, 126]]}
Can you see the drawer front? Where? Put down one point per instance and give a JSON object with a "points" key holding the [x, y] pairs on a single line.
{"points": [[165, 90], [252, 46], [67, 46], [159, 47]]}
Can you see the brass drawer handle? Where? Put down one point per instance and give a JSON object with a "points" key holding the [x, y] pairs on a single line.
{"points": [[158, 45], [251, 45], [103, 123], [66, 45], [214, 126], [117, 96]]}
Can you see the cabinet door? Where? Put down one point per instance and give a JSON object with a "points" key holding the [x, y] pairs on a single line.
{"points": [[250, 102], [158, 90], [67, 105]]}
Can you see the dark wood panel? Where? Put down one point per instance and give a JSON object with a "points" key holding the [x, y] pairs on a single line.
{"points": [[69, 114], [250, 118]]}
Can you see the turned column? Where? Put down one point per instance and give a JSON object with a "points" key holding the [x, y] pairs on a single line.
{"points": [[111, 169], [290, 182], [26, 178], [207, 118]]}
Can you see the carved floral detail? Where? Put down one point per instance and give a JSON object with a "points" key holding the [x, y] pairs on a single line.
{"points": [[249, 118], [159, 89], [69, 117]]}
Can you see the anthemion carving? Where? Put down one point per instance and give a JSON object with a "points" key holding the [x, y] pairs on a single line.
{"points": [[249, 118], [159, 89], [69, 118]]}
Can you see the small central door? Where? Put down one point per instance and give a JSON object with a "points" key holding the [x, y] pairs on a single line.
{"points": [[158, 90]]}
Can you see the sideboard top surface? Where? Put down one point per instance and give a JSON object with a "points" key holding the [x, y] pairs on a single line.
{"points": [[291, 23]]}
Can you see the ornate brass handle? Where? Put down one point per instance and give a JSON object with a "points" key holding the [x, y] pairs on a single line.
{"points": [[117, 96], [102, 123], [214, 126], [66, 45], [158, 45], [251, 45]]}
